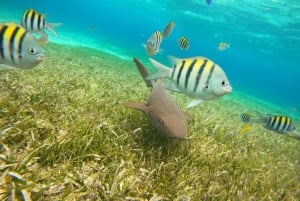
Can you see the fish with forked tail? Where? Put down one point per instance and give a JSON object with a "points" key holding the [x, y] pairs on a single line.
{"points": [[197, 77], [35, 22]]}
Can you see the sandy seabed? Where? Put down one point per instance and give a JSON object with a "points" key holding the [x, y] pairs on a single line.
{"points": [[66, 136]]}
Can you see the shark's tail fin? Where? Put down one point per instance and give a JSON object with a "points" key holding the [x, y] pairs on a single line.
{"points": [[143, 71]]}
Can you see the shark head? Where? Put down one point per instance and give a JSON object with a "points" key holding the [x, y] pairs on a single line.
{"points": [[172, 126]]}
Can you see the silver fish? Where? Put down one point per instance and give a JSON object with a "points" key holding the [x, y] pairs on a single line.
{"points": [[197, 77], [35, 22], [18, 48], [153, 43]]}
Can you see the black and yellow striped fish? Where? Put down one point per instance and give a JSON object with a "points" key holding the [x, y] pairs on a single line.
{"points": [[246, 117], [18, 48], [35, 22], [183, 43], [280, 124], [198, 77], [153, 43]]}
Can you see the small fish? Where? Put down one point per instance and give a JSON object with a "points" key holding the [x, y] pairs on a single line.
{"points": [[35, 22], [197, 77], [246, 117], [246, 128], [153, 43], [168, 29], [183, 43], [223, 46], [19, 49], [208, 2], [279, 124]]}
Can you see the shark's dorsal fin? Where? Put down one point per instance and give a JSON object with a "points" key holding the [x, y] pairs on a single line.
{"points": [[143, 71]]}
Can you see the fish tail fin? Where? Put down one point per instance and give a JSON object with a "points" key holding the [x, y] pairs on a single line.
{"points": [[261, 118], [43, 39], [163, 71], [173, 60], [50, 27]]}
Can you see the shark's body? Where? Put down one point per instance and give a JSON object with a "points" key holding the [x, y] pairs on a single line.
{"points": [[161, 109]]}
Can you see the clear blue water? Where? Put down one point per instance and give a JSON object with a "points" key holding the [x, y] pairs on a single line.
{"points": [[263, 60]]}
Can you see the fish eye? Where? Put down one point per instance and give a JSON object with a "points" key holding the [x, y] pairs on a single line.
{"points": [[32, 50], [223, 83]]}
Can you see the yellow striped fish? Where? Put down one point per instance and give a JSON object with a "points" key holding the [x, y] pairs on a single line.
{"points": [[246, 117], [198, 77], [183, 43], [280, 124], [35, 22], [153, 43], [18, 48]]}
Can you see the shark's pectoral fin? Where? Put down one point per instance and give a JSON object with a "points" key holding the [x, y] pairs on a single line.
{"points": [[136, 105], [194, 102]]}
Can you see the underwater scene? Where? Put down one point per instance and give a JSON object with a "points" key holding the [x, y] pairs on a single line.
{"points": [[179, 100]]}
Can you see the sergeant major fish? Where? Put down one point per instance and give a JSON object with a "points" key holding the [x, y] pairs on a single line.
{"points": [[197, 77], [246, 117], [153, 43], [279, 124], [35, 22], [183, 43], [18, 48]]}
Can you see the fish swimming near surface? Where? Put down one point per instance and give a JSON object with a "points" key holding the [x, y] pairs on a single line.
{"points": [[168, 29], [153, 43], [183, 43], [197, 77], [35, 22], [161, 109], [223, 46], [19, 49]]}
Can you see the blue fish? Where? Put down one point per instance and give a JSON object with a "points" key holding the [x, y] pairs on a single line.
{"points": [[208, 2]]}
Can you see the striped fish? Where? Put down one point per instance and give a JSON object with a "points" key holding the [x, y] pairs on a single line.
{"points": [[18, 48], [197, 77], [246, 117], [183, 43], [35, 22], [280, 124], [168, 29], [153, 43]]}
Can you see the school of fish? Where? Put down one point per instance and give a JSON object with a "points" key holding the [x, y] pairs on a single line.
{"points": [[197, 77]]}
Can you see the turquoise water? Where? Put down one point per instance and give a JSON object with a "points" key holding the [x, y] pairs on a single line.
{"points": [[263, 60]]}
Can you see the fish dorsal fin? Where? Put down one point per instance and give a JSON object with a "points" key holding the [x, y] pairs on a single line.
{"points": [[136, 105]]}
